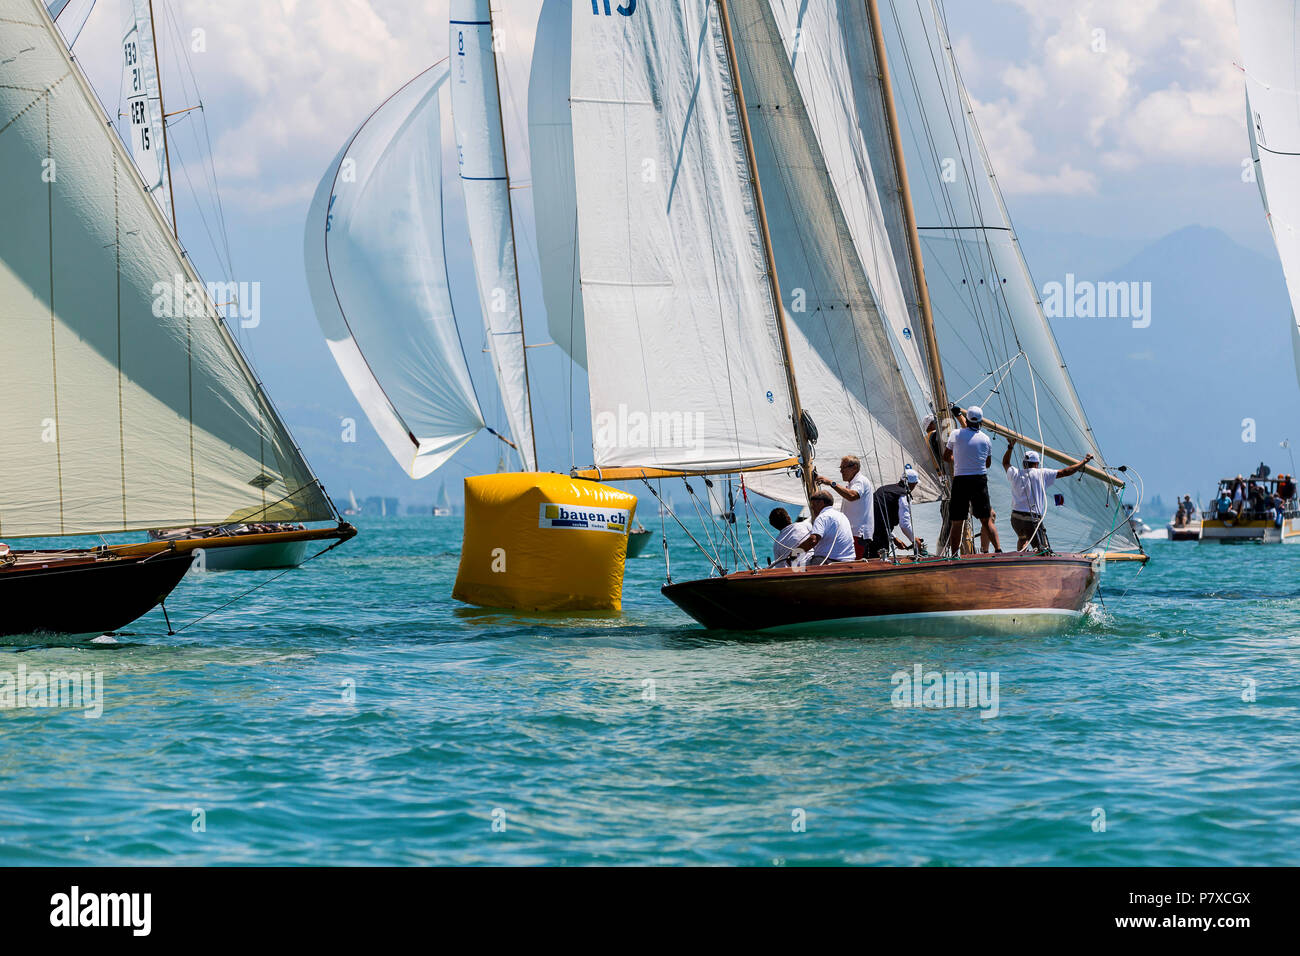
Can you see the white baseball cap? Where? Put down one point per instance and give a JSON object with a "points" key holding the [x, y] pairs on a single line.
{"points": [[929, 420], [909, 475], [1032, 457], [974, 414]]}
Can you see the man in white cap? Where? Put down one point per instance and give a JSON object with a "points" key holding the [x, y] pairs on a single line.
{"points": [[970, 452], [1029, 485], [893, 507]]}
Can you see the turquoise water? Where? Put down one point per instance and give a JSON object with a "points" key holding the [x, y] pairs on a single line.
{"points": [[352, 713]]}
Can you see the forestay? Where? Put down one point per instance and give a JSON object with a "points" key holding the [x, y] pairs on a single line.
{"points": [[683, 351], [481, 148], [126, 403], [859, 371], [555, 201], [378, 280], [1270, 50], [143, 100], [996, 346]]}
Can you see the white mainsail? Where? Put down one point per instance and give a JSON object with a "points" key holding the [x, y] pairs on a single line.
{"points": [[377, 272], [860, 376], [127, 404], [683, 350], [997, 348], [555, 191], [1270, 52], [143, 100], [484, 173]]}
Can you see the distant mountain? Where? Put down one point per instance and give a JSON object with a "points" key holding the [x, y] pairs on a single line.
{"points": [[1170, 399]]}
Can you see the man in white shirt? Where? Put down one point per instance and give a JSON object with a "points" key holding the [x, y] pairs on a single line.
{"points": [[1029, 486], [789, 535], [856, 492], [831, 539], [970, 452]]}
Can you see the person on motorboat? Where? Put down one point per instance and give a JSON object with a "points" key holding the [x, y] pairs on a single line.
{"points": [[831, 539], [1189, 507], [789, 535], [970, 452], [893, 509], [856, 492], [1029, 484]]}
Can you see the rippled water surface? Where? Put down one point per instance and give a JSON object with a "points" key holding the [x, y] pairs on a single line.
{"points": [[351, 712]]}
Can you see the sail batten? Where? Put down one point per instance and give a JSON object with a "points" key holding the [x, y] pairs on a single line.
{"points": [[376, 268], [141, 411], [485, 180]]}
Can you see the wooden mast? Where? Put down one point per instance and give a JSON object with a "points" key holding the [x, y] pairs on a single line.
{"points": [[800, 434], [510, 208], [937, 387], [162, 118]]}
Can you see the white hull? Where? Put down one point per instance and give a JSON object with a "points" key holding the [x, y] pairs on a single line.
{"points": [[1008, 621], [1253, 532], [256, 557]]}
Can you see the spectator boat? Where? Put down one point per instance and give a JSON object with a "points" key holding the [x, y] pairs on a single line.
{"points": [[1266, 513]]}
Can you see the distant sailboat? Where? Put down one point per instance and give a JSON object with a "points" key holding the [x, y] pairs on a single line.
{"points": [[124, 411], [777, 124], [1270, 59], [443, 508]]}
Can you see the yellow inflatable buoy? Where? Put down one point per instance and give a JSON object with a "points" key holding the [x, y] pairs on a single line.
{"points": [[543, 542]]}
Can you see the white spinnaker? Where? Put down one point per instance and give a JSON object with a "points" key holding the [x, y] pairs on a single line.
{"points": [[843, 297], [988, 320], [683, 351], [378, 279], [481, 148], [555, 192], [143, 100], [121, 408], [1270, 51]]}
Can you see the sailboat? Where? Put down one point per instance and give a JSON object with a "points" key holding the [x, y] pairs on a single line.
{"points": [[124, 409], [239, 546], [443, 508], [753, 262], [1271, 64], [375, 251]]}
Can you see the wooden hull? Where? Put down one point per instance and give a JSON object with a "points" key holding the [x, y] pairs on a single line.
{"points": [[244, 552], [83, 592], [1008, 592]]}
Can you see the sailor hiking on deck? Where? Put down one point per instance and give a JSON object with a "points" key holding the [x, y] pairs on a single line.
{"points": [[971, 452], [1029, 485], [856, 492], [831, 539], [893, 509], [789, 535]]}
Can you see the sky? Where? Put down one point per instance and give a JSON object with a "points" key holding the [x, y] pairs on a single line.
{"points": [[1110, 124]]}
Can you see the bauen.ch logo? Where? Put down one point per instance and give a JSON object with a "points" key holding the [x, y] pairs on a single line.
{"points": [[585, 519]]}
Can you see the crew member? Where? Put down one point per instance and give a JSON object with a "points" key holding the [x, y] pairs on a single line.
{"points": [[789, 534], [893, 509], [856, 492], [831, 539], [970, 453], [1029, 485]]}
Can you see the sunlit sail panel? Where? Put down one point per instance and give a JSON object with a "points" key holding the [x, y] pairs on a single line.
{"points": [[137, 409], [683, 350], [142, 100], [1270, 53], [484, 173], [378, 280], [832, 253], [997, 348]]}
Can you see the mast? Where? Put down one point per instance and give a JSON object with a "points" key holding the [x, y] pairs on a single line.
{"points": [[937, 387], [800, 434], [162, 119], [514, 246]]}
